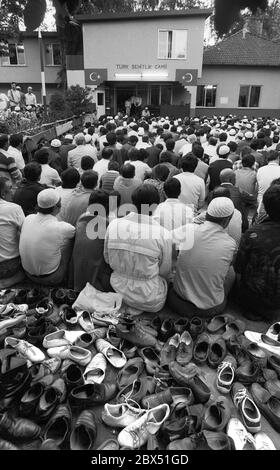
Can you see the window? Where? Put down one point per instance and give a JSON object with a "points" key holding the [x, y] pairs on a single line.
{"points": [[172, 44], [53, 54], [15, 55], [249, 96], [155, 95], [206, 95], [166, 94]]}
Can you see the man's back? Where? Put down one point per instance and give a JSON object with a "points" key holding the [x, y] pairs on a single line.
{"points": [[192, 189], [41, 240], [266, 174], [26, 195], [201, 270], [75, 156], [246, 180], [76, 206], [258, 262], [215, 169], [11, 220]]}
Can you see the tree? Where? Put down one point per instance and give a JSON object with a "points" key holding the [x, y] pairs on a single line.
{"points": [[78, 100], [227, 12]]}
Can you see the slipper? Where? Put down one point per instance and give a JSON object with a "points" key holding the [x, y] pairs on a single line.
{"points": [[61, 338], [131, 371], [112, 354], [274, 331], [25, 349], [95, 370], [74, 353], [85, 321], [10, 362]]}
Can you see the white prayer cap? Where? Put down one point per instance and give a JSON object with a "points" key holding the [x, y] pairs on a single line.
{"points": [[220, 207], [223, 150]]}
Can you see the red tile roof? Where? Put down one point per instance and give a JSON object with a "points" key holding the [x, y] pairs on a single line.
{"points": [[251, 51]]}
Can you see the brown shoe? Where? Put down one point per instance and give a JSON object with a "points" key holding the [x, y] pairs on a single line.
{"points": [[185, 350], [183, 374], [169, 350]]}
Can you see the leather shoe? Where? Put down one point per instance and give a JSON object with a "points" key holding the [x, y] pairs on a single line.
{"points": [[30, 399], [59, 425], [88, 395], [182, 374], [169, 350], [84, 431], [274, 363], [206, 440], [182, 395], [185, 350], [201, 348], [200, 390], [196, 327], [166, 330], [150, 358], [268, 405], [73, 377], [151, 401], [217, 415], [131, 371], [217, 352], [181, 325], [248, 372], [18, 430], [175, 425], [139, 389]]}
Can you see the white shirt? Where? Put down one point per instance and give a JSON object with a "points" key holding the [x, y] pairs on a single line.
{"points": [[142, 145], [201, 270], [30, 99], [11, 220], [179, 144], [42, 238], [192, 189], [101, 167], [49, 176], [17, 156], [172, 214], [265, 176], [211, 151], [91, 152], [75, 156], [185, 149], [14, 97], [141, 169], [65, 195]]}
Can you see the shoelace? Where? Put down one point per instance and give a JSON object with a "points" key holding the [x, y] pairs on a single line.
{"points": [[223, 365], [240, 395], [245, 436]]}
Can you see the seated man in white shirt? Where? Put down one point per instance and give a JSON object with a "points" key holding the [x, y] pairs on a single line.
{"points": [[204, 275], [172, 213], [49, 175], [101, 167], [45, 243], [11, 220], [14, 150], [192, 186]]}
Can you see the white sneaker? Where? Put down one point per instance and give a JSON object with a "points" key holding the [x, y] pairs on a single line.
{"points": [[264, 342], [242, 439], [225, 374], [263, 442], [121, 415], [25, 349], [74, 353], [136, 434]]}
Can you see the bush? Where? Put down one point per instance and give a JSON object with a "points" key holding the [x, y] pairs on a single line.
{"points": [[78, 100], [57, 107]]}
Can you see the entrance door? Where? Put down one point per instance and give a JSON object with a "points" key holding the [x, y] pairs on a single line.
{"points": [[100, 103]]}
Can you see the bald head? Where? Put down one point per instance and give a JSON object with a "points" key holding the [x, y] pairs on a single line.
{"points": [[227, 176]]}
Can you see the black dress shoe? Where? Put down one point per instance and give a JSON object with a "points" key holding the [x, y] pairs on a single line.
{"points": [[200, 390], [181, 325], [30, 400], [201, 348], [73, 377], [18, 430], [84, 431], [21, 297], [10, 365], [89, 395], [59, 425], [248, 373], [6, 445], [175, 425], [48, 402], [34, 296], [17, 386], [274, 363], [166, 330], [59, 296], [71, 296], [196, 327]]}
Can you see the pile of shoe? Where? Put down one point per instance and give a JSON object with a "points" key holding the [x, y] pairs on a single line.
{"points": [[59, 365]]}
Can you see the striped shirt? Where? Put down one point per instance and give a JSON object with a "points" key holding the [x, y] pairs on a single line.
{"points": [[108, 179], [9, 169]]}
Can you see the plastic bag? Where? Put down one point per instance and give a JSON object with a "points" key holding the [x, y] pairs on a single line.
{"points": [[93, 300]]}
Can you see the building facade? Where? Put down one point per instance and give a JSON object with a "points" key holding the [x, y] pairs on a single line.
{"points": [[22, 64], [153, 59], [240, 75]]}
